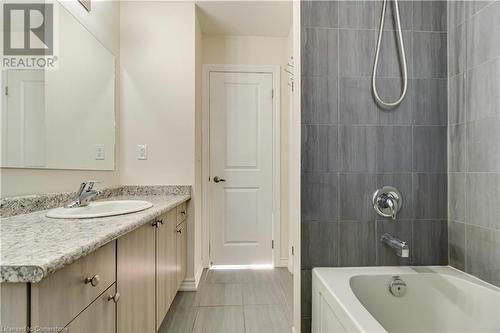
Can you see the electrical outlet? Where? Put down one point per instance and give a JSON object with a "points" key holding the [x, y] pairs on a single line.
{"points": [[142, 152], [99, 152]]}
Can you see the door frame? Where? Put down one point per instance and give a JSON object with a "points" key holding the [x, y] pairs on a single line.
{"points": [[205, 163]]}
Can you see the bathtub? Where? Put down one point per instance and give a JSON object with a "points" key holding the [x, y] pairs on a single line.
{"points": [[437, 299]]}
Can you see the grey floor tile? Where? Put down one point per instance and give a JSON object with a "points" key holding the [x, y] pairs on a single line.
{"points": [[259, 293], [179, 320], [221, 294], [266, 319], [229, 276], [185, 299], [220, 319]]}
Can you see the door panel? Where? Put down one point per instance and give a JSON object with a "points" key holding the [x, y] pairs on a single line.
{"points": [[241, 152]]}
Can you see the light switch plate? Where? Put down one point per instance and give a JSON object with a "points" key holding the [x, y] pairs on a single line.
{"points": [[100, 153], [142, 152]]}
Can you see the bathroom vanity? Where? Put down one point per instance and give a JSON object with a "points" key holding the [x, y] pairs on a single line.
{"points": [[111, 274]]}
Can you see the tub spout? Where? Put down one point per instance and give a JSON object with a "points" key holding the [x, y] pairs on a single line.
{"points": [[400, 247]]}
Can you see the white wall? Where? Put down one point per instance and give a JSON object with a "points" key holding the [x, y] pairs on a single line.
{"points": [[257, 50], [158, 89], [103, 22]]}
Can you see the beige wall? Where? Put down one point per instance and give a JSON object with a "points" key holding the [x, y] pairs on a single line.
{"points": [[256, 50], [158, 88], [103, 22]]}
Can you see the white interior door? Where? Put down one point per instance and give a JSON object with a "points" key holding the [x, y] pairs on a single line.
{"points": [[23, 119], [241, 155]]}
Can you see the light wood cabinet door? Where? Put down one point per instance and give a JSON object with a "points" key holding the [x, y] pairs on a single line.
{"points": [[166, 287], [60, 297], [98, 317], [136, 281], [181, 260]]}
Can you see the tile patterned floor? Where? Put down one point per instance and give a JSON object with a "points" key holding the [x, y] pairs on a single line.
{"points": [[234, 301]]}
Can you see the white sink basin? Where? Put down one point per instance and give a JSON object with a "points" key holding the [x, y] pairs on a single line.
{"points": [[100, 209]]}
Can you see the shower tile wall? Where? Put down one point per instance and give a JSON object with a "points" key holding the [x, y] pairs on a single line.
{"points": [[350, 146], [474, 138]]}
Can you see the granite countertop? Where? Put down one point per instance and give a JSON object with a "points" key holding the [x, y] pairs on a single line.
{"points": [[34, 246]]}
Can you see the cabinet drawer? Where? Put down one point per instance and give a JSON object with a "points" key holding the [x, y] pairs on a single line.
{"points": [[56, 300], [98, 317], [181, 212]]}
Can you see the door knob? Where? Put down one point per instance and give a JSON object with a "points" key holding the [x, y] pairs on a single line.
{"points": [[217, 179]]}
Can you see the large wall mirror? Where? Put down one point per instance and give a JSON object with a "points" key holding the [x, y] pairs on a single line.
{"points": [[62, 118]]}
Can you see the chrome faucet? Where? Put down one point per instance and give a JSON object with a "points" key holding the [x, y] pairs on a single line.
{"points": [[387, 201], [400, 247], [84, 194]]}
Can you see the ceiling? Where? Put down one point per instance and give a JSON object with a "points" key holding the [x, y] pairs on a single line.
{"points": [[247, 18]]}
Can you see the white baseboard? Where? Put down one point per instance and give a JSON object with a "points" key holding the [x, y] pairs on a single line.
{"points": [[191, 284], [282, 263]]}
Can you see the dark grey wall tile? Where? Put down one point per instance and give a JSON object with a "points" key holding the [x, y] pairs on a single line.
{"points": [[482, 43], [401, 229], [358, 148], [319, 52], [456, 49], [357, 51], [403, 182], [456, 247], [319, 14], [319, 196], [356, 192], [305, 324], [430, 103], [405, 11], [390, 64], [483, 145], [430, 195], [429, 15], [456, 196], [359, 14], [456, 99], [390, 90], [356, 104], [319, 148], [430, 55], [362, 234], [430, 242], [456, 13], [456, 148], [430, 149], [483, 191], [319, 100], [320, 244], [483, 254], [483, 91], [394, 149], [306, 294]]}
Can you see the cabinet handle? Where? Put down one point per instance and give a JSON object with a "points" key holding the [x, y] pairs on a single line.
{"points": [[94, 280], [115, 298], [157, 223], [179, 231]]}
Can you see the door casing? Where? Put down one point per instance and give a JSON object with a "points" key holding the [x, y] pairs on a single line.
{"points": [[205, 218]]}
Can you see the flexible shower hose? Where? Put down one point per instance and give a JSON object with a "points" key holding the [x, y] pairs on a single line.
{"points": [[390, 105]]}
